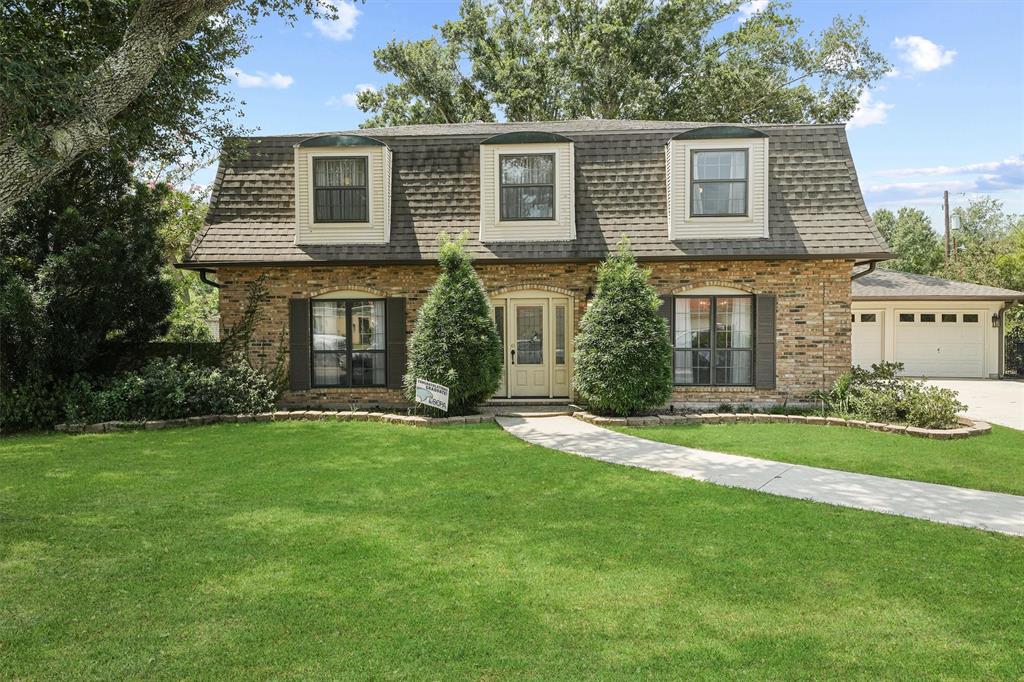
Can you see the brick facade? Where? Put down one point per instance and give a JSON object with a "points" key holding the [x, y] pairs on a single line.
{"points": [[812, 312]]}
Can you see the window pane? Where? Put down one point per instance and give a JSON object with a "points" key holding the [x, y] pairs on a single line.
{"points": [[927, 317], [948, 317], [340, 205], [529, 335], [734, 318], [530, 202], [559, 334], [329, 369], [349, 172], [693, 367], [367, 325], [693, 323], [727, 165], [528, 169], [868, 317], [968, 317], [368, 369], [329, 325], [906, 317], [719, 198], [732, 367]]}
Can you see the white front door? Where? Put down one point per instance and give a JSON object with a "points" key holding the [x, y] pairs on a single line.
{"points": [[529, 354], [867, 337]]}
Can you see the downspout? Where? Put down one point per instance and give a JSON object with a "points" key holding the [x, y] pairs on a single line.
{"points": [[204, 278], [872, 264]]}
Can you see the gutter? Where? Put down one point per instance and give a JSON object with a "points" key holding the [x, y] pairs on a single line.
{"points": [[204, 278], [872, 264]]}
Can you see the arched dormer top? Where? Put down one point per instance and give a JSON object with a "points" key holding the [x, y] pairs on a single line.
{"points": [[341, 141], [719, 133], [526, 137]]}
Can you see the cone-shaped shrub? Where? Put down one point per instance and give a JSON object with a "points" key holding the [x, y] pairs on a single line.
{"points": [[623, 359], [455, 341]]}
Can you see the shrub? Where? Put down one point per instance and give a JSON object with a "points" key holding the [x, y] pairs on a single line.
{"points": [[882, 395], [623, 359], [455, 342], [171, 388]]}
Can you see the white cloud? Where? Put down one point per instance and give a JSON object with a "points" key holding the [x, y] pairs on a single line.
{"points": [[350, 99], [259, 79], [749, 9], [342, 26], [922, 54], [1010, 166], [985, 177], [869, 112]]}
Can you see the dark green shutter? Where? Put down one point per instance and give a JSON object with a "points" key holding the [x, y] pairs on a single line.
{"points": [[395, 330], [764, 341], [665, 310], [298, 344]]}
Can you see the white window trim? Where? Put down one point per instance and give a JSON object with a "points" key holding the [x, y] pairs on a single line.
{"points": [[370, 193]]}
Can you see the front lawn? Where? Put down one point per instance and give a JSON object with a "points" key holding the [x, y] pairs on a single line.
{"points": [[362, 550], [991, 462]]}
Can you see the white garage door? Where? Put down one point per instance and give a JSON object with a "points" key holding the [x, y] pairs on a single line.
{"points": [[867, 337], [937, 344]]}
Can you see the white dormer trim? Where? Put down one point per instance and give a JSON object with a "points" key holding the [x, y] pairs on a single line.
{"points": [[678, 165], [376, 230], [561, 228]]}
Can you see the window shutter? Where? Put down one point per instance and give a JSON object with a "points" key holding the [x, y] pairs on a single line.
{"points": [[298, 344], [764, 341], [665, 310], [396, 341]]}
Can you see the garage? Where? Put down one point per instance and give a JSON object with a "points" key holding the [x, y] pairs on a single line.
{"points": [[935, 327]]}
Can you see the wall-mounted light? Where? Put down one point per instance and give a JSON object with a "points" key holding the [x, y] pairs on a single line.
{"points": [[995, 319], [590, 294]]}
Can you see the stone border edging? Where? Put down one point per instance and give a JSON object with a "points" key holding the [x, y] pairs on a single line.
{"points": [[280, 415], [968, 428]]}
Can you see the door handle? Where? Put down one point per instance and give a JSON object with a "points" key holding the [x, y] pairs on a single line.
{"points": [[513, 352]]}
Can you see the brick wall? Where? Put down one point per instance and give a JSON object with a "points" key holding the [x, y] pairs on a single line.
{"points": [[812, 315]]}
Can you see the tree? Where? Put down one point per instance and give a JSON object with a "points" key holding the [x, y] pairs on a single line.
{"points": [[984, 244], [83, 268], [647, 59], [131, 76], [911, 239], [455, 341], [194, 302], [623, 359]]}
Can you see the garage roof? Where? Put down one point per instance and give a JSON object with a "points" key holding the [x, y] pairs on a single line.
{"points": [[892, 284]]}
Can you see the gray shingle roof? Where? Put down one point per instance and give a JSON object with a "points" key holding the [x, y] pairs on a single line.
{"points": [[815, 205], [892, 284]]}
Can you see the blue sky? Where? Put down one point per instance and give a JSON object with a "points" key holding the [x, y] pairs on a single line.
{"points": [[951, 116]]}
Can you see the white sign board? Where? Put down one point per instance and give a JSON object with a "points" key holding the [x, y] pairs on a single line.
{"points": [[431, 394]]}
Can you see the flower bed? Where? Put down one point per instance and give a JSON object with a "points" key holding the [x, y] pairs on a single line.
{"points": [[282, 415], [967, 428]]}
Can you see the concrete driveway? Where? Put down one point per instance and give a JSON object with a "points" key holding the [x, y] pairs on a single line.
{"points": [[991, 400]]}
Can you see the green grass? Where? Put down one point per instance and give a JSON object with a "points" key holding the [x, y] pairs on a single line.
{"points": [[358, 550], [991, 462]]}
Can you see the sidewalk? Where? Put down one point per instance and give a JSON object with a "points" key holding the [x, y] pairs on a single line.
{"points": [[940, 503]]}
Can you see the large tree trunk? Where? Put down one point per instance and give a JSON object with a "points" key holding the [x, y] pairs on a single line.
{"points": [[154, 31]]}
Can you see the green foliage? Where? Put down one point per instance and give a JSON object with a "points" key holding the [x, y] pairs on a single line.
{"points": [[1015, 349], [912, 240], [170, 388], [194, 302], [882, 395], [649, 59], [83, 266], [623, 358], [455, 342]]}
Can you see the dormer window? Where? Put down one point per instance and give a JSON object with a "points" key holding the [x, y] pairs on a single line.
{"points": [[719, 186], [527, 186], [340, 190]]}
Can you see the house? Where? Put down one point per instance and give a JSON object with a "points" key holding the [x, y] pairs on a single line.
{"points": [[935, 327], [751, 231]]}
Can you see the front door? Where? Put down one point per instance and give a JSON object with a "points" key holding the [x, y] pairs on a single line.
{"points": [[529, 358]]}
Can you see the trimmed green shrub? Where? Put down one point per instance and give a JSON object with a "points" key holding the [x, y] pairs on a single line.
{"points": [[882, 395], [171, 388], [455, 342], [623, 358]]}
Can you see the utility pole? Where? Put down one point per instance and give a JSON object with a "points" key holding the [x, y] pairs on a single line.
{"points": [[945, 209]]}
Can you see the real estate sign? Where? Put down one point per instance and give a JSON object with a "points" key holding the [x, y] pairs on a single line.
{"points": [[431, 394]]}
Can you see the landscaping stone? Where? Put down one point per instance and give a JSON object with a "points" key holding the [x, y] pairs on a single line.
{"points": [[895, 428], [473, 419], [360, 415], [245, 418], [264, 416], [762, 418], [778, 418], [835, 421], [297, 415], [92, 428], [194, 421], [176, 423], [796, 419], [726, 418], [154, 424], [281, 415], [744, 417], [60, 428], [456, 420], [815, 420], [710, 418], [959, 433], [672, 419], [857, 423], [75, 428]]}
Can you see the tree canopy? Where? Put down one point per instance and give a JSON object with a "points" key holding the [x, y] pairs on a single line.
{"points": [[910, 235], [693, 60]]}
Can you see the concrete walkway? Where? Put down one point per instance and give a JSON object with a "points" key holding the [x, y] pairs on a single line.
{"points": [[941, 503]]}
